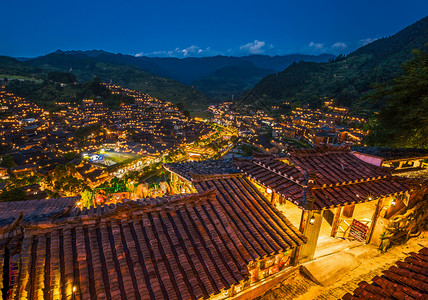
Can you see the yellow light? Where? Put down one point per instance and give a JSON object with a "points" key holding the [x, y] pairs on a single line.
{"points": [[74, 289]]}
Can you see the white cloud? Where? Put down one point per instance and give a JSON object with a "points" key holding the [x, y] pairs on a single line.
{"points": [[256, 47], [339, 45], [316, 46], [367, 41], [179, 52]]}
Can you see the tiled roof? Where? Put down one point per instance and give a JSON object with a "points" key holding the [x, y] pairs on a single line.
{"points": [[393, 153], [176, 247], [34, 210], [358, 192], [206, 167], [407, 280], [334, 165], [264, 230], [329, 176]]}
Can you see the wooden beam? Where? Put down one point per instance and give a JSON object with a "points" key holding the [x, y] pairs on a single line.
{"points": [[348, 210], [335, 221], [374, 220], [303, 220], [296, 254]]}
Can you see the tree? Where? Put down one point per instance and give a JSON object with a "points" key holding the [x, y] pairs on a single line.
{"points": [[87, 200], [70, 156], [180, 106], [63, 77], [7, 161], [403, 122], [15, 194]]}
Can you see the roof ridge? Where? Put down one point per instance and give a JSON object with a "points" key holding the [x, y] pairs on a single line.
{"points": [[290, 178], [131, 207], [205, 177]]}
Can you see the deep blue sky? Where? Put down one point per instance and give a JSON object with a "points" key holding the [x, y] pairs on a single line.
{"points": [[200, 28]]}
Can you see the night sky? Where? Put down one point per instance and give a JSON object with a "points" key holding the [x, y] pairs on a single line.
{"points": [[200, 28]]}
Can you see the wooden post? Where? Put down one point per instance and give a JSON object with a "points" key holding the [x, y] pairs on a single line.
{"points": [[335, 221], [303, 219], [374, 220], [311, 231]]}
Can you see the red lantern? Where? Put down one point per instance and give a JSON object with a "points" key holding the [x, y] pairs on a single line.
{"points": [[99, 199]]}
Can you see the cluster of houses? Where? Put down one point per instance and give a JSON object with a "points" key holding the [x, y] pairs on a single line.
{"points": [[38, 140], [330, 124], [324, 125], [226, 113], [226, 235], [148, 126]]}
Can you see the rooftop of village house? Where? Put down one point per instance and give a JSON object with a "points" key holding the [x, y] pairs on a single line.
{"points": [[407, 280], [328, 175], [390, 154], [207, 167], [184, 246]]}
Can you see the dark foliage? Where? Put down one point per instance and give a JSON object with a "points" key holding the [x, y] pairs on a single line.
{"points": [[15, 194], [46, 93], [403, 122], [62, 77], [86, 68]]}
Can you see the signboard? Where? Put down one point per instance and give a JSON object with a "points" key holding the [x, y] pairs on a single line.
{"points": [[358, 230]]}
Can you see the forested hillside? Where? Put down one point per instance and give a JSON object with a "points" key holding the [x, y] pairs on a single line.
{"points": [[86, 68], [346, 78]]}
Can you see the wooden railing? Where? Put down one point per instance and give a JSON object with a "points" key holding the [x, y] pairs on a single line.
{"points": [[345, 226]]}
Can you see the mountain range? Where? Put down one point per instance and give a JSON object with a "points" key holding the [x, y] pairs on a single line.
{"points": [[193, 81], [196, 82], [346, 78], [218, 77]]}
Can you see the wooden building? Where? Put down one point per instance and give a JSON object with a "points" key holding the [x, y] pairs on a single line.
{"points": [[329, 190], [208, 245], [3, 172], [400, 159]]}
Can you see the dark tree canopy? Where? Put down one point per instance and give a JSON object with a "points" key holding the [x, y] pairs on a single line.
{"points": [[403, 122], [63, 77], [7, 161]]}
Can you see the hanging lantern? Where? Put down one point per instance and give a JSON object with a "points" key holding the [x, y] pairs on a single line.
{"points": [[312, 220], [99, 199], [393, 202], [269, 191]]}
